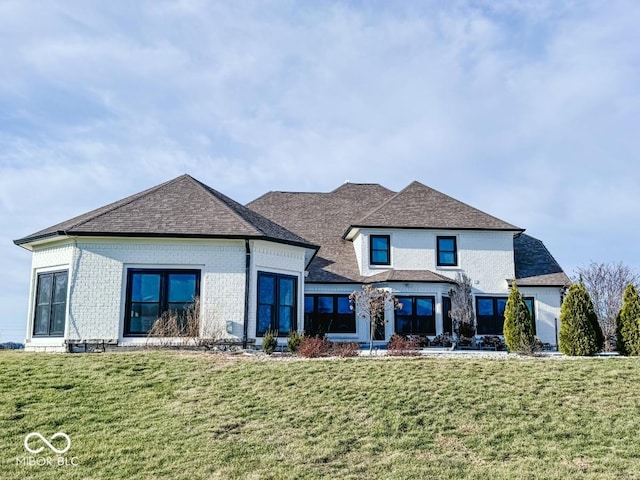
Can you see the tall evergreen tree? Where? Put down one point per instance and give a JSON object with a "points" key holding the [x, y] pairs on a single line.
{"points": [[580, 333], [518, 325], [628, 330]]}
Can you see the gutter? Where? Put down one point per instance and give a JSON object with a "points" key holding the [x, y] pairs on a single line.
{"points": [[247, 286]]}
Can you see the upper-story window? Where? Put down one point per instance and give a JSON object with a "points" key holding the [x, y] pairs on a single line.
{"points": [[447, 252], [380, 250]]}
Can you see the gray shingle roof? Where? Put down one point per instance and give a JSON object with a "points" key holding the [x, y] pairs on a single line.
{"points": [[535, 266], [182, 207], [323, 217], [419, 206], [408, 276]]}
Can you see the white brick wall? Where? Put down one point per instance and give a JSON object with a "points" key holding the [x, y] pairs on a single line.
{"points": [[275, 258], [98, 275], [547, 310], [487, 257]]}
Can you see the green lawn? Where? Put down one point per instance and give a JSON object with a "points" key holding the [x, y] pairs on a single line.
{"points": [[191, 416]]}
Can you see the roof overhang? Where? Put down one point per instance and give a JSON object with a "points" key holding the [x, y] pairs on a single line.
{"points": [[37, 240], [353, 230]]}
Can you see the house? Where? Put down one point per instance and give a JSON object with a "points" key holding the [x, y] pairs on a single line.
{"points": [[285, 261]]}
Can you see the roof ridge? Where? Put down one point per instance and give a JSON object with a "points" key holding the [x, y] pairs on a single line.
{"points": [[438, 192], [126, 201]]}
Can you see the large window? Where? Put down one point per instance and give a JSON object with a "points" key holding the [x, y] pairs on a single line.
{"points": [[416, 316], [150, 292], [277, 303], [328, 314], [490, 314], [380, 250], [447, 252], [51, 304]]}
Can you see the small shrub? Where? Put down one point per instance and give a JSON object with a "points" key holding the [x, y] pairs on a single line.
{"points": [[493, 341], [518, 325], [293, 341], [580, 332], [400, 346], [628, 331], [345, 349], [269, 342], [442, 340], [314, 347]]}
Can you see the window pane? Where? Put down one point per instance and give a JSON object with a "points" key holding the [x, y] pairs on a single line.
{"points": [[325, 304], [529, 303], [380, 243], [146, 287], [45, 283], [380, 256], [266, 289], [57, 322], [308, 304], [344, 305], [485, 306], [407, 306], [502, 303], [345, 324], [60, 288], [41, 326], [264, 318], [287, 291], [182, 287], [285, 320], [149, 313], [447, 258], [403, 325], [424, 306], [446, 315], [445, 244]]}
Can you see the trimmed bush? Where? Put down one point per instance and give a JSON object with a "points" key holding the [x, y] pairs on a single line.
{"points": [[345, 349], [314, 347], [628, 323], [400, 346], [580, 332], [269, 342], [518, 325], [293, 341]]}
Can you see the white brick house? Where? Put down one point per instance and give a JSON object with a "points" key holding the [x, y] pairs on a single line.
{"points": [[286, 261], [108, 274]]}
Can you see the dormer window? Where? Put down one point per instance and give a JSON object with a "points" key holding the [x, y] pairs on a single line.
{"points": [[380, 250], [447, 252]]}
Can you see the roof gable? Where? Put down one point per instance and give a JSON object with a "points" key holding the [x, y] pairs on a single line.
{"points": [[419, 206], [182, 207]]}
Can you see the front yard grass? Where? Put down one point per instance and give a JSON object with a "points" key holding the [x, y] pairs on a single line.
{"points": [[194, 416]]}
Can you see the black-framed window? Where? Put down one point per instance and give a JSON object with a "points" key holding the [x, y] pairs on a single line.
{"points": [[277, 303], [416, 316], [490, 314], [380, 249], [51, 304], [328, 314], [447, 321], [447, 251], [151, 292]]}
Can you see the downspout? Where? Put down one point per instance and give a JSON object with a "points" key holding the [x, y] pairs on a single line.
{"points": [[247, 286]]}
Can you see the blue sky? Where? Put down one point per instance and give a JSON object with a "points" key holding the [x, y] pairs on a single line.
{"points": [[529, 110]]}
